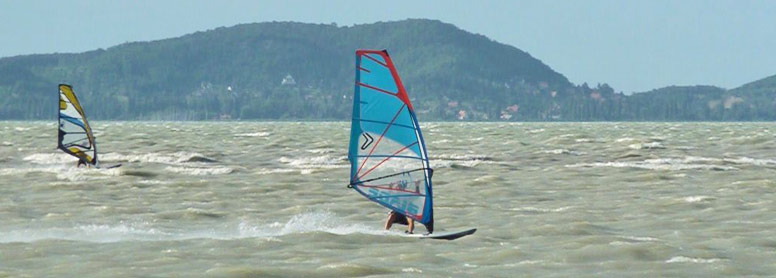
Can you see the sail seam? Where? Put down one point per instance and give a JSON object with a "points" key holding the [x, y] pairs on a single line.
{"points": [[378, 140], [386, 159], [376, 61]]}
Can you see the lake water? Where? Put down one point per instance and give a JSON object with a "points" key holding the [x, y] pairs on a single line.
{"points": [[254, 199]]}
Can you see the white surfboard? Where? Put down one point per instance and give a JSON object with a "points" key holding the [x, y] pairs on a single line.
{"points": [[445, 235]]}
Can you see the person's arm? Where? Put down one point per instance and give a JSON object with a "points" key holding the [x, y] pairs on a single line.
{"points": [[389, 222]]}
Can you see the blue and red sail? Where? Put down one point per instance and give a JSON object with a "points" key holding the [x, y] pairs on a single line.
{"points": [[389, 163]]}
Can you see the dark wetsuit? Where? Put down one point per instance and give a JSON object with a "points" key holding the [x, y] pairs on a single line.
{"points": [[399, 218]]}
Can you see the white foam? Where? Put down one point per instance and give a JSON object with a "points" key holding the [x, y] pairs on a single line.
{"points": [[265, 171], [751, 161], [640, 238], [695, 199], [449, 163], [308, 222], [462, 157], [561, 151], [682, 259], [535, 209], [526, 262], [466, 160], [440, 142], [646, 146], [154, 182], [320, 151], [625, 139], [177, 158], [65, 173], [50, 158], [77, 175], [88, 232], [199, 171], [666, 164], [255, 134], [315, 162], [323, 221]]}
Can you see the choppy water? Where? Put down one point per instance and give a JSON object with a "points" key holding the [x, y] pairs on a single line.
{"points": [[269, 199]]}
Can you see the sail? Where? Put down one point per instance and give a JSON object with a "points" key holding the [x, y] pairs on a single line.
{"points": [[75, 134], [389, 163]]}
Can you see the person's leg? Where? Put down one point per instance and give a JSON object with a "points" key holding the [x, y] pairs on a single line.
{"points": [[410, 225]]}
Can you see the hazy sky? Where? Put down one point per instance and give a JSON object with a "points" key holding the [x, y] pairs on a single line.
{"points": [[632, 45]]}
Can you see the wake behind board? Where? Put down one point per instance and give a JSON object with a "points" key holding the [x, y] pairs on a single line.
{"points": [[445, 235]]}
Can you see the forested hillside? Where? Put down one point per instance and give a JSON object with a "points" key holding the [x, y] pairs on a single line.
{"points": [[286, 70]]}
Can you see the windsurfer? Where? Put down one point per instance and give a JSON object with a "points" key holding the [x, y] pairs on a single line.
{"points": [[398, 218], [82, 158]]}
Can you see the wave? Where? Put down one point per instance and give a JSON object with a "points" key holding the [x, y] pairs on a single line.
{"points": [[542, 210], [625, 139], [682, 259], [315, 162], [176, 158], [303, 223], [265, 171], [321, 151], [647, 146], [653, 164], [164, 158], [459, 160], [88, 232], [640, 238], [686, 163], [696, 199], [50, 158], [66, 173], [561, 151], [255, 134], [199, 171]]}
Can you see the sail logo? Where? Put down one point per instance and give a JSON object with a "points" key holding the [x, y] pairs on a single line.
{"points": [[369, 139], [397, 195], [402, 203]]}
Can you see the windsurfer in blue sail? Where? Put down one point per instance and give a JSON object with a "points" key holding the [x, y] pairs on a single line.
{"points": [[387, 154], [395, 217]]}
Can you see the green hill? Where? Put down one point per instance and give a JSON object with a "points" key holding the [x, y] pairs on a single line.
{"points": [[767, 84], [286, 70], [188, 77]]}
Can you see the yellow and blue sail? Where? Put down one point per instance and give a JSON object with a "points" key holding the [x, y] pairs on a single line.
{"points": [[75, 134], [389, 162]]}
